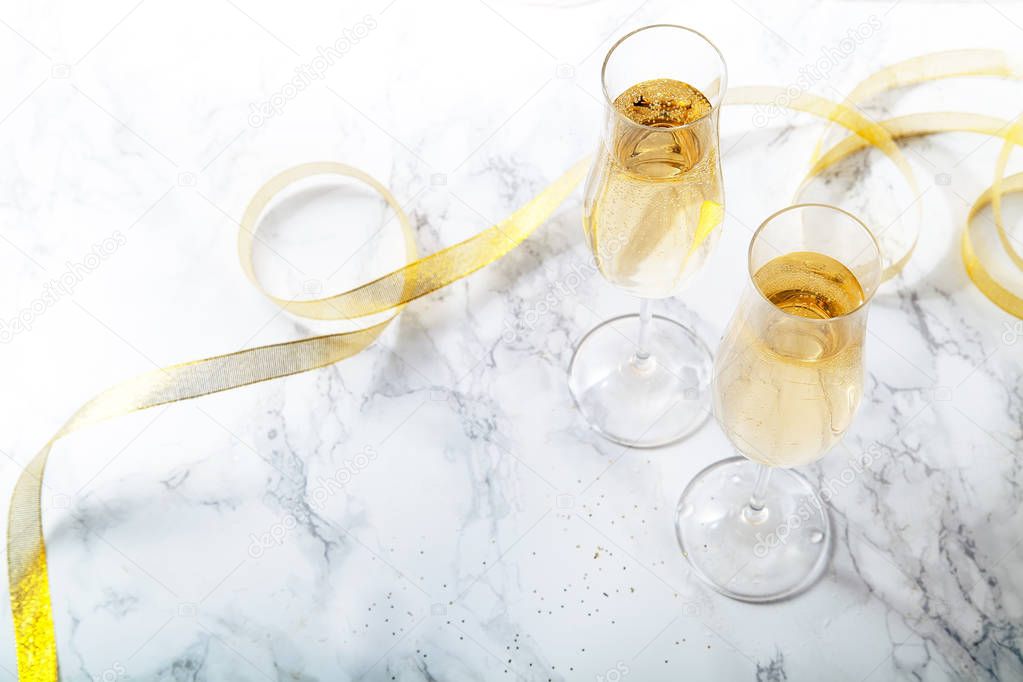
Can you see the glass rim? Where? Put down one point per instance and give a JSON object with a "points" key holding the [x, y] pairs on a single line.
{"points": [[873, 240], [713, 108]]}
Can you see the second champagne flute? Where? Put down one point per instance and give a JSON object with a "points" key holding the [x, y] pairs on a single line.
{"points": [[653, 201], [787, 381]]}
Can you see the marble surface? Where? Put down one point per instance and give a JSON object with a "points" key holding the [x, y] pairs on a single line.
{"points": [[435, 509]]}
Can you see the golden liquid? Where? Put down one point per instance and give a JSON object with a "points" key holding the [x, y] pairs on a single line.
{"points": [[787, 387], [649, 185]]}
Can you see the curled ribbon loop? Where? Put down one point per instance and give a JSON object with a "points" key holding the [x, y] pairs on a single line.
{"points": [[1012, 137], [26, 549], [943, 65], [376, 303], [896, 249], [932, 67]]}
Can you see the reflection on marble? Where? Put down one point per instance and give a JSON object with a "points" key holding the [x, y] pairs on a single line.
{"points": [[435, 509]]}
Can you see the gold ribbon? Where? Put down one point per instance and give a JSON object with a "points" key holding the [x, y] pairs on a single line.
{"points": [[1012, 137], [26, 549], [870, 133], [376, 303], [916, 125], [937, 66]]}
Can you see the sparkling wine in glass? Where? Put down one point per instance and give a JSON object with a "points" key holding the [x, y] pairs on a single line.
{"points": [[653, 202], [788, 378]]}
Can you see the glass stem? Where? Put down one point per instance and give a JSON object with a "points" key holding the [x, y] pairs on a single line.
{"points": [[755, 511], [641, 358]]}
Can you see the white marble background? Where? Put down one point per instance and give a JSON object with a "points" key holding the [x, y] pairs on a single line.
{"points": [[481, 531]]}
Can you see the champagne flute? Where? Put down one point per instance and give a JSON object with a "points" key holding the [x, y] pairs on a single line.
{"points": [[653, 201], [787, 381]]}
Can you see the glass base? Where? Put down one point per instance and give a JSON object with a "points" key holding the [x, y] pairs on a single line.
{"points": [[747, 556], [642, 404]]}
